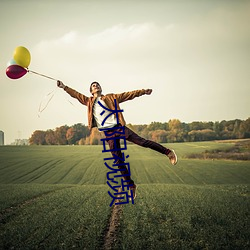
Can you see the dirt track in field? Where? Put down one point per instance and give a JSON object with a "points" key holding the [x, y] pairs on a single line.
{"points": [[112, 229]]}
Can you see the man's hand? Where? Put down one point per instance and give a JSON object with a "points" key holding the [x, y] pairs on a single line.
{"points": [[60, 84], [148, 91]]}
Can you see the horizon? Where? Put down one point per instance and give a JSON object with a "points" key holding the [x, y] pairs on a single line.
{"points": [[23, 139]]}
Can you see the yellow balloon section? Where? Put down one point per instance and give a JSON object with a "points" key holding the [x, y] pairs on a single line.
{"points": [[22, 56]]}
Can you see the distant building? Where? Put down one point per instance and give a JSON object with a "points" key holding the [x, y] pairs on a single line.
{"points": [[1, 138]]}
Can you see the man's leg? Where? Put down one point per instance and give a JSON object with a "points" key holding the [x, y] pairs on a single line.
{"points": [[133, 137], [117, 154]]}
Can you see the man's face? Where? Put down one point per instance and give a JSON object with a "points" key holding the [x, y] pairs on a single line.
{"points": [[95, 88]]}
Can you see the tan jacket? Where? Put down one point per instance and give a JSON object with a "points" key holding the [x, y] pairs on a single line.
{"points": [[108, 99]]}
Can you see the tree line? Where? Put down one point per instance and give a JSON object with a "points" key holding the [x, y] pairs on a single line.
{"points": [[172, 131]]}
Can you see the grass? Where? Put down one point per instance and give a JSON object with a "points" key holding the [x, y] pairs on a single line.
{"points": [[52, 165], [66, 217], [187, 217], [55, 197]]}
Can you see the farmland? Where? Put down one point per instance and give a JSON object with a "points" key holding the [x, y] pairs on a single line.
{"points": [[56, 197]]}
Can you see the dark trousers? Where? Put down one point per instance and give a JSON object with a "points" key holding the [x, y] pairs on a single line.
{"points": [[112, 137]]}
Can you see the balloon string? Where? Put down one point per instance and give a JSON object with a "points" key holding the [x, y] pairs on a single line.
{"points": [[31, 71], [71, 103], [50, 96]]}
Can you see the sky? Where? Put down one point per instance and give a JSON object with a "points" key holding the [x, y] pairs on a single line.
{"points": [[195, 55]]}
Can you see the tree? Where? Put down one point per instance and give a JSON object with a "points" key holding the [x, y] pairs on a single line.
{"points": [[77, 132], [70, 136], [159, 135], [236, 128], [175, 133], [185, 130], [196, 126], [245, 129], [95, 137], [60, 134], [202, 135], [217, 129], [38, 138], [145, 133], [156, 125], [50, 137]]}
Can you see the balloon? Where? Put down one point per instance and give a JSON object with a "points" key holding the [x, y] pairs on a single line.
{"points": [[11, 62], [15, 71], [22, 56]]}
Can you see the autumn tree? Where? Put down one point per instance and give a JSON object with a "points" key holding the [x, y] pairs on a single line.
{"points": [[175, 133], [159, 135], [95, 137], [38, 138], [60, 134], [76, 133], [50, 137]]}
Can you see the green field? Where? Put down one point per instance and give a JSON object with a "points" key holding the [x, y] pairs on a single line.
{"points": [[56, 197]]}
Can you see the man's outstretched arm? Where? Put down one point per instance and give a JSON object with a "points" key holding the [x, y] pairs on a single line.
{"points": [[132, 94], [80, 97]]}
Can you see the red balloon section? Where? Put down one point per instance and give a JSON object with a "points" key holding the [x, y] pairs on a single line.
{"points": [[15, 71]]}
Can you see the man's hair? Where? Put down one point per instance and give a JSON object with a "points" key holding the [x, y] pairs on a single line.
{"points": [[91, 86]]}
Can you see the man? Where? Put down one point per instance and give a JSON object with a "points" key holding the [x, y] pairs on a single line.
{"points": [[95, 119]]}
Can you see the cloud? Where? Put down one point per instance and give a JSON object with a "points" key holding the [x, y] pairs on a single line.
{"points": [[116, 45], [119, 35], [116, 39], [107, 38], [68, 38]]}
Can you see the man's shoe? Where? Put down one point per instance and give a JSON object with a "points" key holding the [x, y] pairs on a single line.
{"points": [[133, 189], [172, 157]]}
